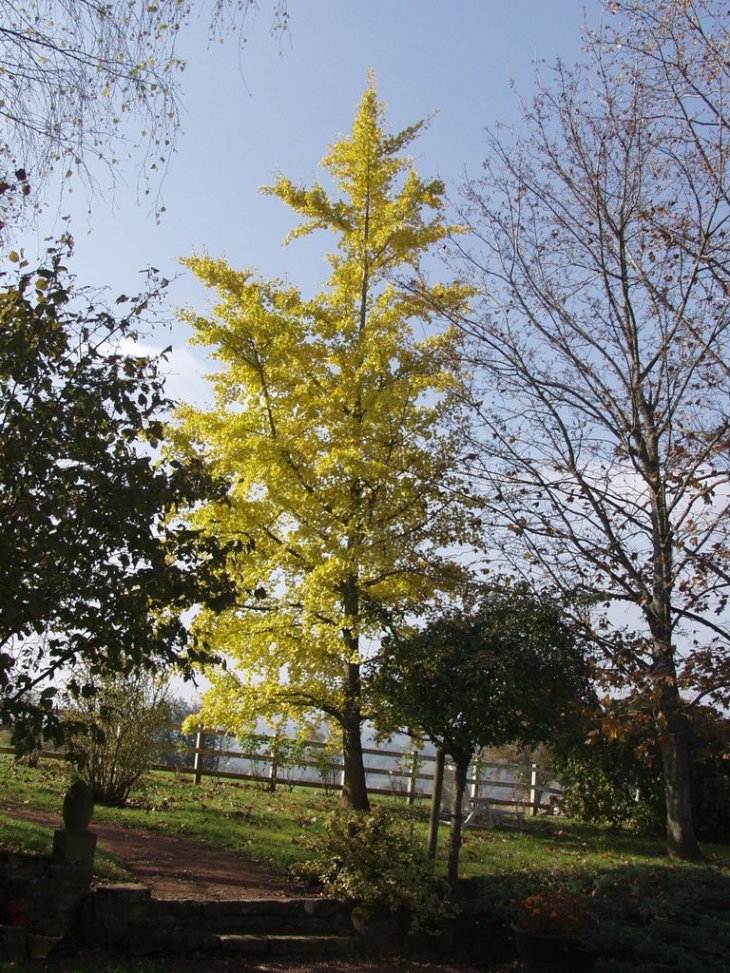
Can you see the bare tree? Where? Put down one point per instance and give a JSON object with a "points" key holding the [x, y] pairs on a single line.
{"points": [[678, 51], [600, 341], [84, 80]]}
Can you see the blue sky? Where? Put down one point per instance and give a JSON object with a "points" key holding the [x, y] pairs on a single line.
{"points": [[278, 106]]}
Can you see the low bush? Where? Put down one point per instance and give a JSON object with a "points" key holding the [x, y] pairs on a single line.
{"points": [[379, 863], [653, 918], [113, 731]]}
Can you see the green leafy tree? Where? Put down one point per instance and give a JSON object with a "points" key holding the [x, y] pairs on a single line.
{"points": [[331, 422], [512, 671], [94, 567], [601, 252], [179, 743]]}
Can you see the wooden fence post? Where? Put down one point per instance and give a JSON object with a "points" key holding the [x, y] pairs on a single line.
{"points": [[534, 792], [198, 757]]}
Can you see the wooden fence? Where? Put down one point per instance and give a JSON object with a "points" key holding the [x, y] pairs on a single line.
{"points": [[406, 773], [274, 762]]}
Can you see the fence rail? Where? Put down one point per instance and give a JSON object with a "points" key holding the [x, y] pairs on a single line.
{"points": [[407, 773]]}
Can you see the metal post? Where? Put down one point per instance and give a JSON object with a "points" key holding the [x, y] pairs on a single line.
{"points": [[273, 772], [412, 785]]}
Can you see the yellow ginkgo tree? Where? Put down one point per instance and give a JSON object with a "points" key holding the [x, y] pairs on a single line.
{"points": [[336, 421]]}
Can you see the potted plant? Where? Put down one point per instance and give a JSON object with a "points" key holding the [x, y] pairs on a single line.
{"points": [[551, 932]]}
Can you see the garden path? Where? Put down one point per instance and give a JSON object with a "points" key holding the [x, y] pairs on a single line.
{"points": [[178, 868]]}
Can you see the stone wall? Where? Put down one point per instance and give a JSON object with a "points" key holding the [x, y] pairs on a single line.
{"points": [[42, 892], [40, 895], [125, 916]]}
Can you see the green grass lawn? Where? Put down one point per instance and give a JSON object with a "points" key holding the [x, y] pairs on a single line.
{"points": [[654, 915], [273, 828]]}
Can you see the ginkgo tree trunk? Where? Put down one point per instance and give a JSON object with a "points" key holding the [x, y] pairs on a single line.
{"points": [[338, 427]]}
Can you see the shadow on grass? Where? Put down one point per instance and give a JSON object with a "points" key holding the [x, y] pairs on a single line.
{"points": [[616, 842], [552, 832]]}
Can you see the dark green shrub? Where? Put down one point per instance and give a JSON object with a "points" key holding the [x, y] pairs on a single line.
{"points": [[710, 751], [619, 781]]}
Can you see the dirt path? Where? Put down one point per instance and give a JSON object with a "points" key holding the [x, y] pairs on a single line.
{"points": [[177, 868]]}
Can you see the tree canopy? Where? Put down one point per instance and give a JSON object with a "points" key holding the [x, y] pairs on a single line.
{"points": [[82, 81], [335, 424], [93, 570], [511, 671]]}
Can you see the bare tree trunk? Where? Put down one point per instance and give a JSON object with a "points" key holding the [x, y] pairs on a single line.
{"points": [[601, 433], [460, 771], [674, 748], [354, 787], [669, 718]]}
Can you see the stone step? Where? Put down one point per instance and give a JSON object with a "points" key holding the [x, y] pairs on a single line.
{"points": [[332, 945], [269, 917], [126, 916]]}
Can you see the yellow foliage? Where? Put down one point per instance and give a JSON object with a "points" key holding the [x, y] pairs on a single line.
{"points": [[332, 422]]}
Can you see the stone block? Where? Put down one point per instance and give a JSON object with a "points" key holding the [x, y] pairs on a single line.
{"points": [[244, 944], [105, 916], [74, 846], [310, 945], [126, 892]]}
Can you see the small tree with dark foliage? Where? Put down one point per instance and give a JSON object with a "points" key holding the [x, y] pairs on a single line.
{"points": [[511, 671]]}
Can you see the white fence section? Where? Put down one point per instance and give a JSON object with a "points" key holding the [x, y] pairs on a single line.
{"points": [[493, 785], [403, 772]]}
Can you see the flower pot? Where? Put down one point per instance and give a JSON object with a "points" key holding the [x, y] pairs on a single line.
{"points": [[542, 953], [381, 931], [40, 946]]}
